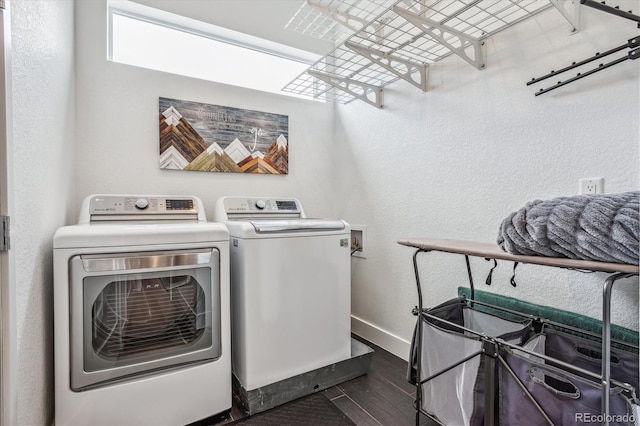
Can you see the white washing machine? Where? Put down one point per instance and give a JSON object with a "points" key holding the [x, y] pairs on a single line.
{"points": [[141, 311], [290, 289]]}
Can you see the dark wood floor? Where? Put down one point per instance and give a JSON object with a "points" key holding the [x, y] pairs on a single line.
{"points": [[381, 397]]}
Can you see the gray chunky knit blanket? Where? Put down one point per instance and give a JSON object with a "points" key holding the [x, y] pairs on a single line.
{"points": [[589, 227]]}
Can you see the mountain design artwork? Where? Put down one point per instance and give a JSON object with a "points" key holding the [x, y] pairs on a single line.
{"points": [[212, 138]]}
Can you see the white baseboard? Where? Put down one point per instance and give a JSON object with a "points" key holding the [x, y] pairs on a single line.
{"points": [[387, 341]]}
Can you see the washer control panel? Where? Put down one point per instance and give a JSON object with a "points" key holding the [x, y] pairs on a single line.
{"points": [[240, 207]]}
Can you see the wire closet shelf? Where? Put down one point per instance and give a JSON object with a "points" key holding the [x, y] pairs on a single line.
{"points": [[401, 40]]}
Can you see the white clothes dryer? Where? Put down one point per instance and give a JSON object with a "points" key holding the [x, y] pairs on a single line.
{"points": [[291, 291], [141, 311]]}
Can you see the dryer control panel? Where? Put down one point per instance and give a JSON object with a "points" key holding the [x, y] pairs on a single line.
{"points": [[100, 208]]}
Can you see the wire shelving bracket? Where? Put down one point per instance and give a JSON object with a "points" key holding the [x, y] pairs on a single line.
{"points": [[570, 11], [365, 92], [399, 40], [401, 67], [456, 41]]}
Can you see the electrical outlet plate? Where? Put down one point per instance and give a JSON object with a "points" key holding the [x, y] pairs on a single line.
{"points": [[359, 239], [591, 186]]}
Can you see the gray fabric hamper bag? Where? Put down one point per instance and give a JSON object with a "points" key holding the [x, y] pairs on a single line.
{"points": [[457, 396], [566, 398], [587, 354]]}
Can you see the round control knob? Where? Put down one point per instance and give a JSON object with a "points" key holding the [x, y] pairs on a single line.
{"points": [[260, 204], [141, 204]]}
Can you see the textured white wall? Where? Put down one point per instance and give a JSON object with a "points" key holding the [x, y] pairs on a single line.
{"points": [[43, 172], [453, 162], [117, 130]]}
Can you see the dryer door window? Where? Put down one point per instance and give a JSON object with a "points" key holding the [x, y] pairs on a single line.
{"points": [[143, 314], [134, 317]]}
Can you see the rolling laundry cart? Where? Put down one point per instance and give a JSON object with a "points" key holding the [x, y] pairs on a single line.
{"points": [[508, 361]]}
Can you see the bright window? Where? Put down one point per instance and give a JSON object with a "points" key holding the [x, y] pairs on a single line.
{"points": [[149, 38]]}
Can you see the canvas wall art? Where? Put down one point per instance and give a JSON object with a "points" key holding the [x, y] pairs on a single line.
{"points": [[213, 138]]}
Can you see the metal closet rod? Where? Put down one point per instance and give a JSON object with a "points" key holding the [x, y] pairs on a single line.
{"points": [[613, 10], [633, 44]]}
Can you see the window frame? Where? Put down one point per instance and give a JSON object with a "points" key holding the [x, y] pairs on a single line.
{"points": [[150, 15]]}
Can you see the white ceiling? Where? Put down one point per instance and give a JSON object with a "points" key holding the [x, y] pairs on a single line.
{"points": [[261, 18]]}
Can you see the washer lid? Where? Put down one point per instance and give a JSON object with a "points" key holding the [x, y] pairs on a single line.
{"points": [[296, 225]]}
